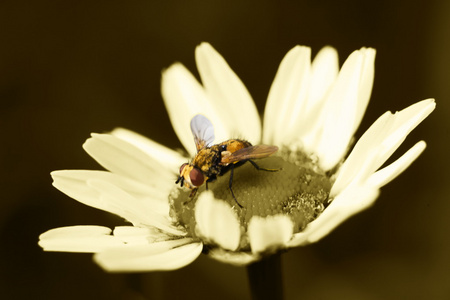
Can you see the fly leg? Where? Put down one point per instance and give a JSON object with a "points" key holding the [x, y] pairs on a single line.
{"points": [[262, 169], [191, 195], [230, 183], [193, 192]]}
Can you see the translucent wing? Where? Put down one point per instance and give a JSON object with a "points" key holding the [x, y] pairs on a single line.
{"points": [[203, 131], [259, 151]]}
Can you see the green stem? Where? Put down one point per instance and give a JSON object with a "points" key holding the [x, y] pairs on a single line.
{"points": [[265, 278]]}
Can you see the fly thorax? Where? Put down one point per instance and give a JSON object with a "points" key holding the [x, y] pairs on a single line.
{"points": [[299, 189], [207, 160]]}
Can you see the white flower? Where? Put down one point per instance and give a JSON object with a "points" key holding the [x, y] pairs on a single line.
{"points": [[312, 113]]}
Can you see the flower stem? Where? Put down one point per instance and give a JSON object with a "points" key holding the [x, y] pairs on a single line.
{"points": [[265, 278]]}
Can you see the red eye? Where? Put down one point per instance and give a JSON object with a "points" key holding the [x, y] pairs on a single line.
{"points": [[196, 177], [182, 167]]}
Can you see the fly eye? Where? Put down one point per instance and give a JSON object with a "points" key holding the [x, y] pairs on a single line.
{"points": [[196, 177], [182, 167]]}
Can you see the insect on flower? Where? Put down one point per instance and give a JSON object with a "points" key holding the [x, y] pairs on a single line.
{"points": [[215, 160]]}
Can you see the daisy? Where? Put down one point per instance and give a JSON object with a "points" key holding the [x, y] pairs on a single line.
{"points": [[312, 113]]}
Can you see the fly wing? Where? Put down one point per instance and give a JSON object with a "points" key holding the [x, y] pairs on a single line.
{"points": [[203, 131], [258, 151]]}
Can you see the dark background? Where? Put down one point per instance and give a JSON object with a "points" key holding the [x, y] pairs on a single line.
{"points": [[69, 68]]}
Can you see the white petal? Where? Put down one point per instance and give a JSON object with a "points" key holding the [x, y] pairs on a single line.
{"points": [[130, 208], [184, 98], [385, 175], [88, 239], [74, 183], [169, 255], [405, 121], [216, 221], [360, 163], [324, 71], [123, 158], [70, 183], [365, 85], [287, 94], [227, 93], [139, 235], [233, 258], [327, 103], [339, 114], [158, 152], [268, 232], [379, 142], [96, 189], [346, 204]]}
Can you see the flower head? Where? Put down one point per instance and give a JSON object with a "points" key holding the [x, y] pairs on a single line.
{"points": [[312, 113]]}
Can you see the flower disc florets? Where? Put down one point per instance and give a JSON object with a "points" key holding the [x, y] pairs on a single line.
{"points": [[299, 189]]}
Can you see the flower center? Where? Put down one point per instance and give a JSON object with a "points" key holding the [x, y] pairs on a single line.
{"points": [[299, 189]]}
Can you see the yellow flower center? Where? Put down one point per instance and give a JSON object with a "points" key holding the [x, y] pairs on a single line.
{"points": [[299, 190]]}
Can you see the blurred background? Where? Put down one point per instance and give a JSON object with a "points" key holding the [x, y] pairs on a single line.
{"points": [[71, 68]]}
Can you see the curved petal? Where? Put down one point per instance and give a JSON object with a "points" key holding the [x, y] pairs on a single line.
{"points": [[379, 142], [270, 232], [287, 95], [404, 122], [385, 175], [365, 85], [233, 258], [89, 239], [100, 193], [360, 161], [161, 256], [132, 235], [346, 204], [121, 157], [184, 98], [216, 221], [226, 92], [339, 113], [74, 183], [172, 159], [324, 71], [130, 208]]}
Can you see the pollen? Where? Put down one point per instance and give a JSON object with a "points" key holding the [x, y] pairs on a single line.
{"points": [[298, 189]]}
